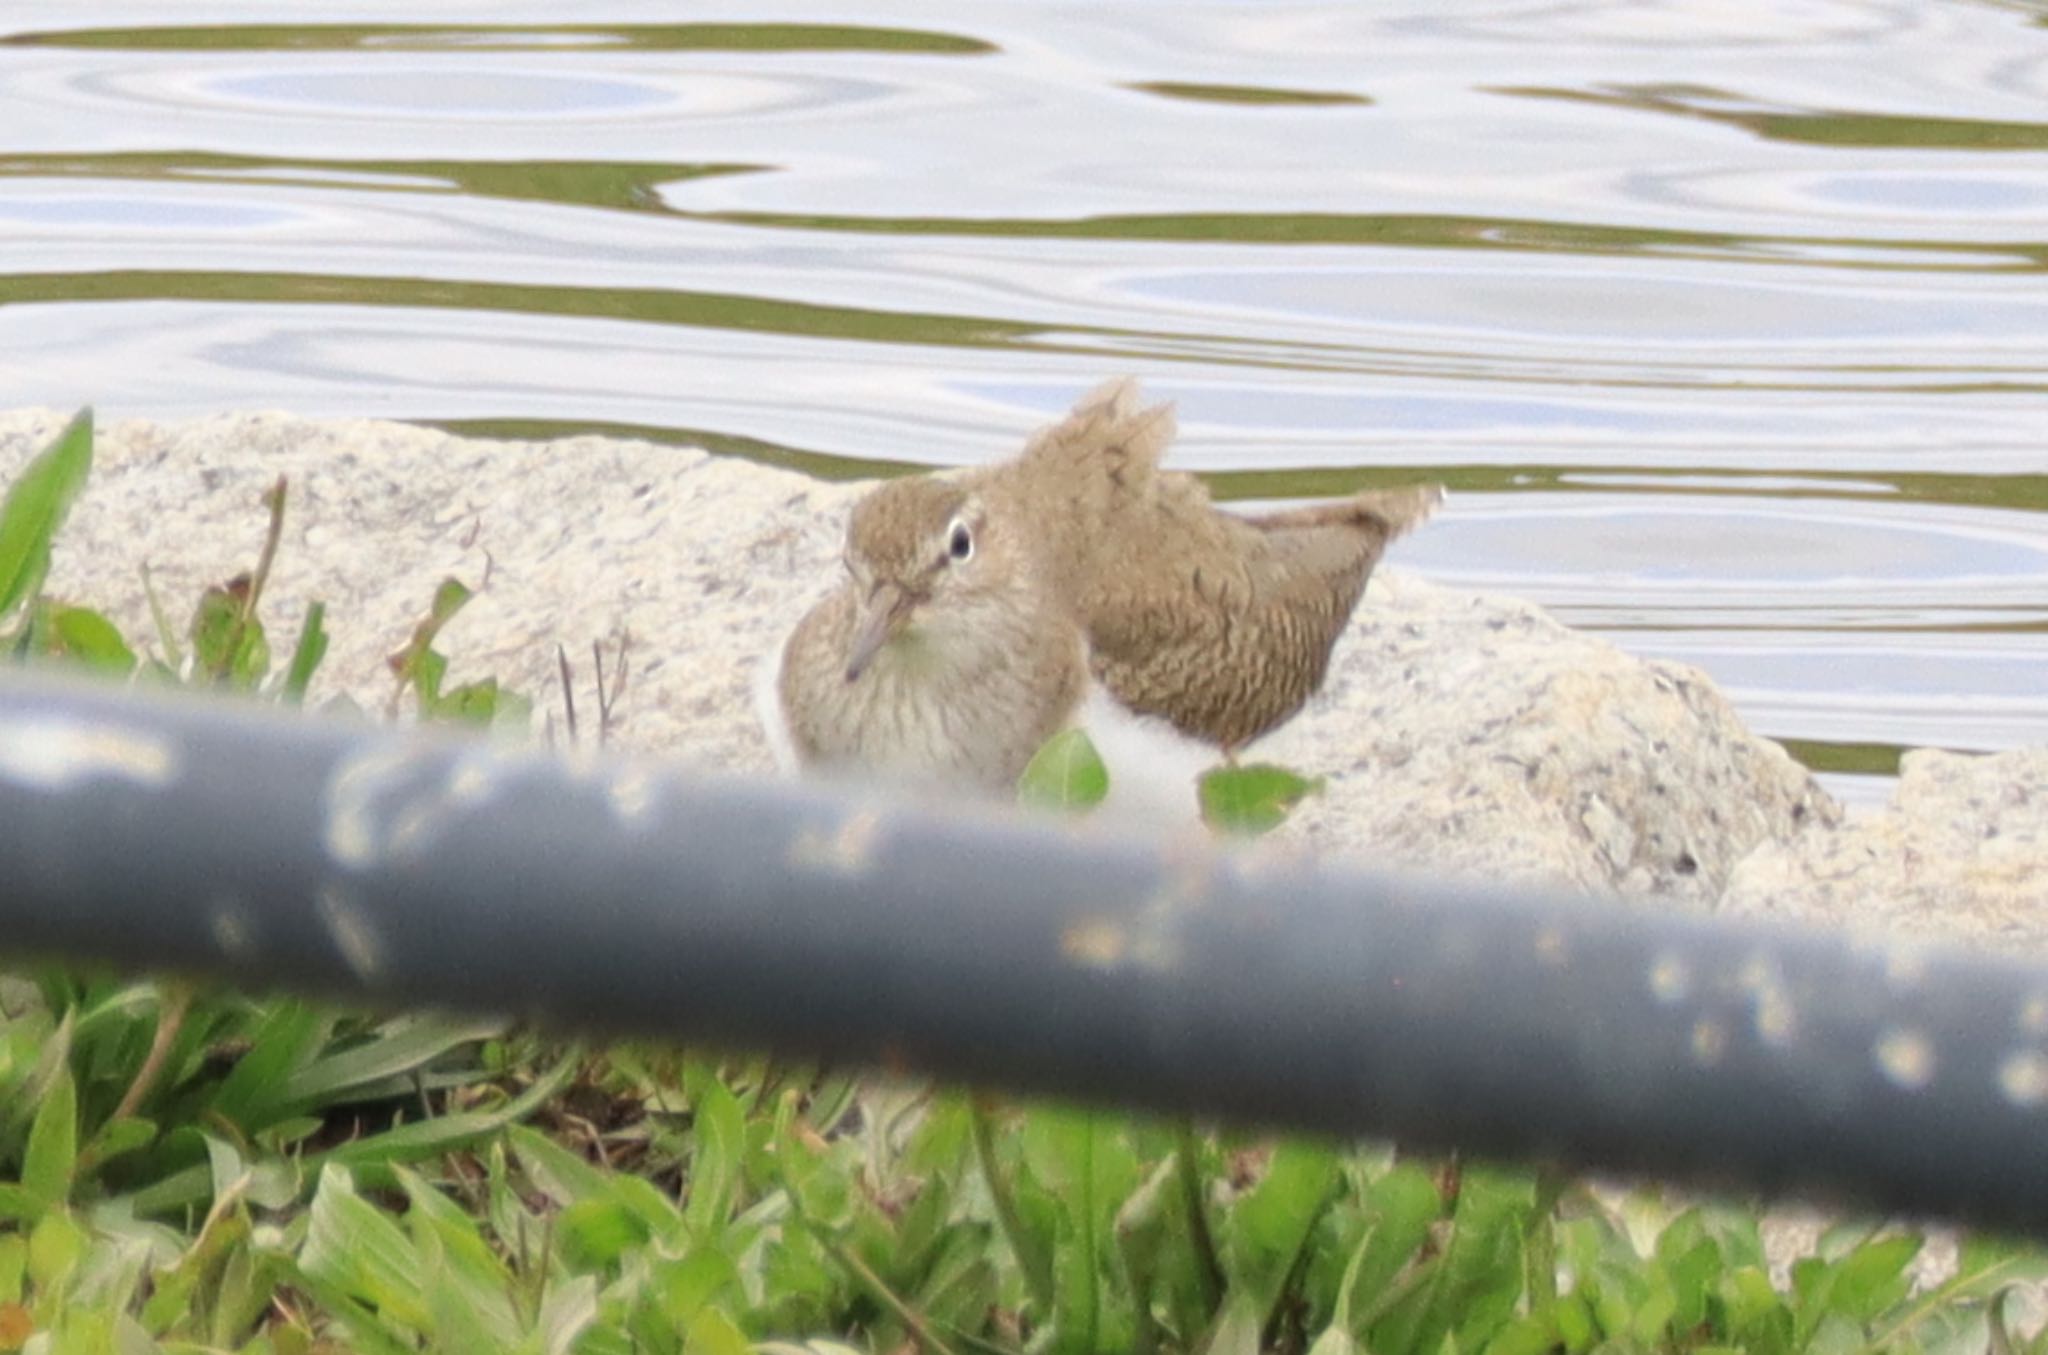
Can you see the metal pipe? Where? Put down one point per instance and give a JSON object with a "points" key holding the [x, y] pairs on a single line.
{"points": [[393, 866]]}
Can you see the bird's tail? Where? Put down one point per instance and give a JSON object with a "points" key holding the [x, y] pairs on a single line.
{"points": [[1389, 512]]}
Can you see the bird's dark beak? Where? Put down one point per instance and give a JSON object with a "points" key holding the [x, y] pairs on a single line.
{"points": [[881, 618]]}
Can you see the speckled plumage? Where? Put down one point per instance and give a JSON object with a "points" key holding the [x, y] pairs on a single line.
{"points": [[978, 664], [1085, 555], [1220, 623]]}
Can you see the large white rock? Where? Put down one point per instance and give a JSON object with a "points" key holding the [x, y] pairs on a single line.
{"points": [[1457, 732], [1961, 850]]}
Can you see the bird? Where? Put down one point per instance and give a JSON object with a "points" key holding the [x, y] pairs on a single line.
{"points": [[984, 610], [942, 657], [1220, 623]]}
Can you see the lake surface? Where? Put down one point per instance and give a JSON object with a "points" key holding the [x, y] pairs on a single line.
{"points": [[1726, 322]]}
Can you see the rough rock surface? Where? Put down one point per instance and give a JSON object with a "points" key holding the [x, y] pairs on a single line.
{"points": [[1962, 850], [1474, 734], [1458, 732], [701, 560]]}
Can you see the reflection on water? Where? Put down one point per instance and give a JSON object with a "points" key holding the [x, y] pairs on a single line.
{"points": [[1727, 325]]}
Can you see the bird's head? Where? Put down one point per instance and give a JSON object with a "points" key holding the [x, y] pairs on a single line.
{"points": [[925, 556]]}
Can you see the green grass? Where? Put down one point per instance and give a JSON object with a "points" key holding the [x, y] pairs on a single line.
{"points": [[188, 1169]]}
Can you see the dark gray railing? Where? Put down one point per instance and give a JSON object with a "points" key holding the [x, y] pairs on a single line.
{"points": [[404, 867]]}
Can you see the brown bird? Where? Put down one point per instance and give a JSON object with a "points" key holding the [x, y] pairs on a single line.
{"points": [[1221, 624], [942, 657], [978, 602]]}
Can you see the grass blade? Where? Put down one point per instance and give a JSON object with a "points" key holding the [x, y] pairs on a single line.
{"points": [[35, 507]]}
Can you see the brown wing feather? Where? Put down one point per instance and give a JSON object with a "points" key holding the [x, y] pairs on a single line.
{"points": [[1222, 624]]}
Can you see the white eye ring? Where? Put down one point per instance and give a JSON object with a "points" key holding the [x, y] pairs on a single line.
{"points": [[959, 541]]}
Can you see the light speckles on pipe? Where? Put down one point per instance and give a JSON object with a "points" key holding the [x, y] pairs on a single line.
{"points": [[473, 780], [634, 795], [1670, 978], [350, 830], [847, 851], [352, 930], [1773, 1011], [1905, 1057], [234, 927], [1095, 943], [53, 753], [1709, 1042], [2023, 1078]]}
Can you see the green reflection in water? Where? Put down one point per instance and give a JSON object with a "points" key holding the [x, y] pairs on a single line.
{"points": [[704, 310], [1868, 759], [1247, 94], [634, 185], [1327, 482], [1808, 126], [818, 465], [2029, 492], [767, 37], [615, 184], [1115, 348], [1406, 231]]}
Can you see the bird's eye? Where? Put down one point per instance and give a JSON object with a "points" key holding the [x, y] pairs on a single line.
{"points": [[959, 541]]}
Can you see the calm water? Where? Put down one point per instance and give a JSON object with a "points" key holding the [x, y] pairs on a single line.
{"points": [[1728, 321]]}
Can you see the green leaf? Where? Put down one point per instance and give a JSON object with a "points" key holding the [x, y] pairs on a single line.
{"points": [[1143, 1226], [353, 1246], [597, 1232], [55, 1247], [1066, 774], [1085, 1160], [1986, 1265], [1401, 1206], [82, 634], [557, 1173], [1871, 1278], [1757, 1316], [18, 1204], [446, 1133], [116, 1137], [1271, 1224], [53, 1055], [473, 703], [424, 669], [35, 507], [1237, 1330], [568, 1311], [467, 1286], [700, 1280], [53, 1143], [1252, 799], [307, 653], [713, 1333], [13, 1266], [417, 664], [227, 641], [403, 1045], [251, 1096], [449, 598], [719, 1158]]}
